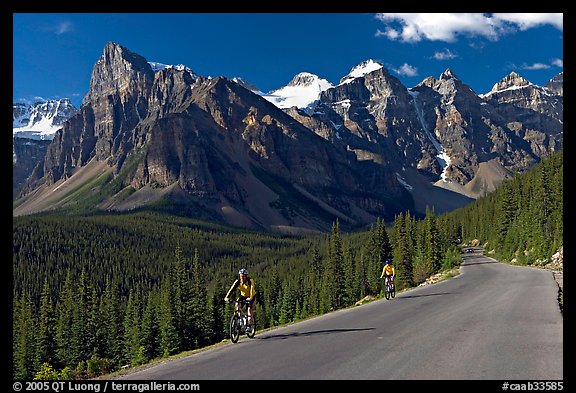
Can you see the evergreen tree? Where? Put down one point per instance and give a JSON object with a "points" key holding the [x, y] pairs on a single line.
{"points": [[45, 333], [183, 312], [82, 340], [271, 297], [378, 251], [169, 338], [149, 338], [402, 258], [110, 330], [361, 275], [297, 276], [67, 351], [312, 284], [505, 214], [349, 270], [200, 313], [23, 339], [333, 287], [432, 247], [132, 338], [288, 308], [93, 328], [217, 311]]}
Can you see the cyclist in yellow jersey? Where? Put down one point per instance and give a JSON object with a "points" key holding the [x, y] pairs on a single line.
{"points": [[247, 287], [388, 272]]}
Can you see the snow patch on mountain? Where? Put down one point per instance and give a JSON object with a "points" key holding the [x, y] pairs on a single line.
{"points": [[403, 181], [360, 70], [247, 85], [179, 67], [303, 92], [41, 119], [442, 157]]}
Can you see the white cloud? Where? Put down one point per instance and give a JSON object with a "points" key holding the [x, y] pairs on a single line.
{"points": [[63, 27], [540, 66], [405, 70], [526, 21], [415, 27], [535, 66], [446, 54]]}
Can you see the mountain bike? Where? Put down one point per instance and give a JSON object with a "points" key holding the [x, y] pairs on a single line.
{"points": [[389, 289], [239, 322]]}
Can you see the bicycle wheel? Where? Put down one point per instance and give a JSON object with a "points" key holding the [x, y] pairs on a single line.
{"points": [[234, 328], [252, 332], [387, 292], [393, 291]]}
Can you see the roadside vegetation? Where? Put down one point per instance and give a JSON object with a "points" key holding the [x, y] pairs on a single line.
{"points": [[96, 293]]}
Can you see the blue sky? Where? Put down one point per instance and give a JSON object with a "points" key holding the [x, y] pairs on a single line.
{"points": [[54, 53]]}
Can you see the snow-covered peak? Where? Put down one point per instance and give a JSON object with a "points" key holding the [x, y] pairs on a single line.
{"points": [[305, 79], [512, 81], [361, 69], [41, 119], [179, 67], [303, 92], [448, 74], [248, 85]]}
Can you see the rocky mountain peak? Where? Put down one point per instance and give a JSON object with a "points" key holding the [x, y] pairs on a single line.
{"points": [[448, 74], [449, 85], [556, 84], [521, 93], [365, 148], [116, 70], [246, 84], [512, 80], [304, 79], [41, 119], [429, 81], [179, 67], [361, 69], [303, 91]]}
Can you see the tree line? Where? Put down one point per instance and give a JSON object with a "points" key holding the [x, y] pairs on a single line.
{"points": [[93, 294]]}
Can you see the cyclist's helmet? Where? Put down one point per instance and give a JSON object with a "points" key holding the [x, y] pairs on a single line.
{"points": [[243, 271], [388, 262]]}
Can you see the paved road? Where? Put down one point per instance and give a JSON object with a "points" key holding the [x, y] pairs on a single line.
{"points": [[491, 322]]}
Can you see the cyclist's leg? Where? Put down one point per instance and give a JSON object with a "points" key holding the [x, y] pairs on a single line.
{"points": [[250, 310]]}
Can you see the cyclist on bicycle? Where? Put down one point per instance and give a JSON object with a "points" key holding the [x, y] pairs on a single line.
{"points": [[247, 288], [388, 272]]}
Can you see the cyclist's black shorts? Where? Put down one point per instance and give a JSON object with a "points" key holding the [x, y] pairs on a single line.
{"points": [[242, 298]]}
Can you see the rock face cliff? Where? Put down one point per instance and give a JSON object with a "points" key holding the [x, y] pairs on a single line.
{"points": [[26, 154], [368, 147], [441, 127], [214, 145], [33, 127]]}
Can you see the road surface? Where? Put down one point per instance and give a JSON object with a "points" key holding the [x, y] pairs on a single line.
{"points": [[491, 322]]}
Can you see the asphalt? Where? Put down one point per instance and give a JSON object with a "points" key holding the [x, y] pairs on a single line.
{"points": [[493, 321]]}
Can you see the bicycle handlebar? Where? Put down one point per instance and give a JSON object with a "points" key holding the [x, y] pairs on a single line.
{"points": [[234, 301]]}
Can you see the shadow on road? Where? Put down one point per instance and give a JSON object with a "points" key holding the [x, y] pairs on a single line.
{"points": [[468, 262], [314, 332], [430, 294]]}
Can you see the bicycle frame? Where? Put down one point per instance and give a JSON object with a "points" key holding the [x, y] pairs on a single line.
{"points": [[239, 321], [389, 288]]}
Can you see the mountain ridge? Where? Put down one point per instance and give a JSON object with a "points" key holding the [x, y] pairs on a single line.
{"points": [[216, 141]]}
